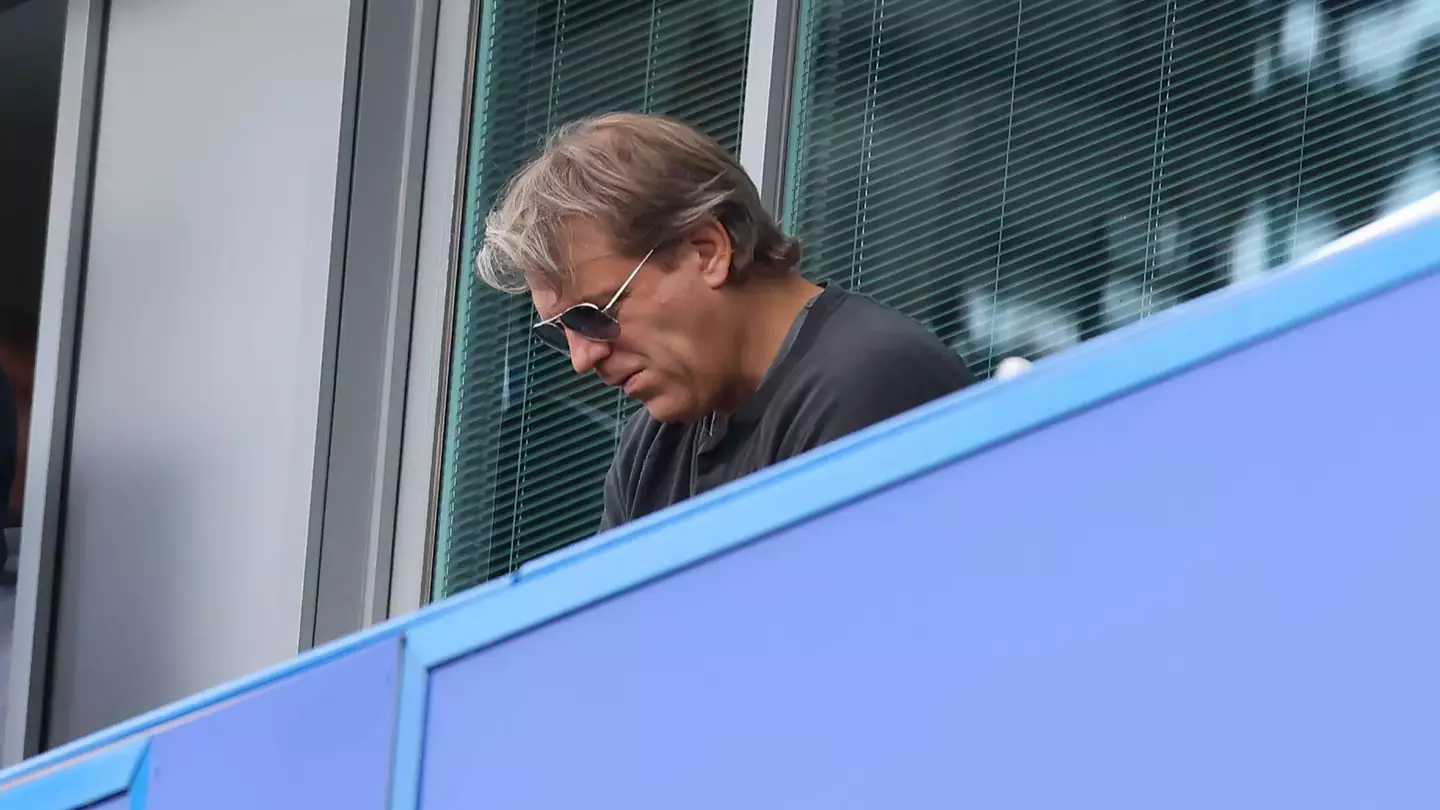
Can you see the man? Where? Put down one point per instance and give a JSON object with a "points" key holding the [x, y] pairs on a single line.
{"points": [[652, 264]]}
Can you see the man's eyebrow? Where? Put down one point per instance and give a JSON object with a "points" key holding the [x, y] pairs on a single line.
{"points": [[565, 299], [559, 304], [591, 298]]}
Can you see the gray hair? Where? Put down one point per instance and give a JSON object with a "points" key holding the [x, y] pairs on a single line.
{"points": [[645, 181]]}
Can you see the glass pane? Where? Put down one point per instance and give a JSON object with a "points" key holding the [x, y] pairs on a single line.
{"points": [[528, 441], [1023, 176]]}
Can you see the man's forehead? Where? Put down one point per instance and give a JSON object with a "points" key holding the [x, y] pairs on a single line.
{"points": [[581, 240], [588, 279], [587, 254]]}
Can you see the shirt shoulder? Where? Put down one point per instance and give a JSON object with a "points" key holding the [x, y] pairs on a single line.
{"points": [[864, 342], [636, 437], [625, 466], [865, 363]]}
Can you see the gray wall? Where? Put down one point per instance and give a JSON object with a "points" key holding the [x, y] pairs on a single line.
{"points": [[201, 375]]}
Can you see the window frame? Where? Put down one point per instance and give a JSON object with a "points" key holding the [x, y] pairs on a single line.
{"points": [[56, 346], [437, 286], [769, 90]]}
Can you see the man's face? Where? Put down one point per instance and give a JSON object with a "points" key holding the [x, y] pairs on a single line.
{"points": [[669, 354]]}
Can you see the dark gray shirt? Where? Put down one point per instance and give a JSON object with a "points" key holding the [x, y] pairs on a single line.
{"points": [[848, 363]]}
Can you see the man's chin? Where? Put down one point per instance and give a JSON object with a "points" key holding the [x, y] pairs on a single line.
{"points": [[666, 409], [660, 412]]}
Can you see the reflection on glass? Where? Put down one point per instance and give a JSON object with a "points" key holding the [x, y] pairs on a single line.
{"points": [[1024, 176]]}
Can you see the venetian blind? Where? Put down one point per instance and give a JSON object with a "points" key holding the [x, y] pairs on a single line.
{"points": [[1022, 175], [527, 440]]}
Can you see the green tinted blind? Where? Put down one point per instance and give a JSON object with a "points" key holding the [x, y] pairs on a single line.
{"points": [[1022, 176], [527, 440]]}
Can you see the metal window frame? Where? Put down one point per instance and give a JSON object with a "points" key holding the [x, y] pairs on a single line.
{"points": [[769, 79], [433, 323], [352, 549], [65, 247]]}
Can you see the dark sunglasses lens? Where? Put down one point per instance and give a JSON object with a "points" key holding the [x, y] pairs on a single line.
{"points": [[591, 323], [553, 336]]}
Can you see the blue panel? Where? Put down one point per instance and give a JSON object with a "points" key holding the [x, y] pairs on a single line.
{"points": [[139, 793], [1217, 591], [85, 781], [321, 738], [114, 803], [202, 701]]}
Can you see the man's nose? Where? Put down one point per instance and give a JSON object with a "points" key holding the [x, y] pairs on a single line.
{"points": [[584, 354]]}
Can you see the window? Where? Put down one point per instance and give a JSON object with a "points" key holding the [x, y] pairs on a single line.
{"points": [[527, 440], [1020, 176], [1025, 175]]}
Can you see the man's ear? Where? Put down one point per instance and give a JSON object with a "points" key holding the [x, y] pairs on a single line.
{"points": [[712, 247]]}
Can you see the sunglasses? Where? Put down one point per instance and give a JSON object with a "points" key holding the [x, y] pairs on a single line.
{"points": [[586, 320]]}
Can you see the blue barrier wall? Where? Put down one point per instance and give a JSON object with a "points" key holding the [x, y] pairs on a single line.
{"points": [[322, 738], [1187, 565], [1187, 598]]}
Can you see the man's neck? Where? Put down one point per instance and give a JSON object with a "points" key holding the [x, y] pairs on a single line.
{"points": [[767, 310]]}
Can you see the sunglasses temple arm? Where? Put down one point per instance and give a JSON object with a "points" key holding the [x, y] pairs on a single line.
{"points": [[626, 285]]}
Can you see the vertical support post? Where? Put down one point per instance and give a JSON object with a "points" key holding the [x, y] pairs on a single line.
{"points": [[768, 79], [66, 234]]}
